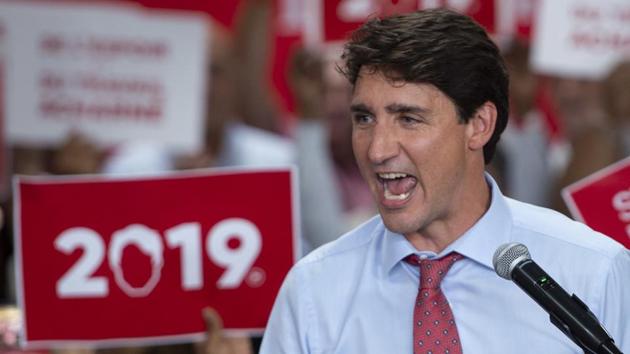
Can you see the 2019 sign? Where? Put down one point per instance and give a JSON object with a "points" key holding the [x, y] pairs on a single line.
{"points": [[136, 259], [79, 282]]}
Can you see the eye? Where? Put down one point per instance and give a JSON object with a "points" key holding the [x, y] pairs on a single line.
{"points": [[409, 120], [362, 118]]}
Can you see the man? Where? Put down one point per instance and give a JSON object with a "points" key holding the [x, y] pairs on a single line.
{"points": [[429, 104], [525, 143]]}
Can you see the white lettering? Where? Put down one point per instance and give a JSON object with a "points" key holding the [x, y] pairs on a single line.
{"points": [[187, 237], [233, 244], [78, 280], [237, 260]]}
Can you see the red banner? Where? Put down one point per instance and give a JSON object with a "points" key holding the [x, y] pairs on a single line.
{"points": [[602, 201], [341, 17], [136, 259]]}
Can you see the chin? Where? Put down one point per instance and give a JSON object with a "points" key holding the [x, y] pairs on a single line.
{"points": [[398, 223]]}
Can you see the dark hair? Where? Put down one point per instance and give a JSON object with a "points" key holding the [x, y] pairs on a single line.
{"points": [[438, 47]]}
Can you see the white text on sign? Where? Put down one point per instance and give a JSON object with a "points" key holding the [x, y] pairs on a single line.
{"points": [[79, 280]]}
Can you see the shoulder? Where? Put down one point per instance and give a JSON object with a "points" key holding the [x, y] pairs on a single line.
{"points": [[343, 252], [350, 243], [332, 263], [582, 260], [554, 229]]}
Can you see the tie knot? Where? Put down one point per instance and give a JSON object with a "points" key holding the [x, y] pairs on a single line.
{"points": [[433, 271]]}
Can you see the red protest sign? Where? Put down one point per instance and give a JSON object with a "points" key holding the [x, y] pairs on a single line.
{"points": [[602, 201], [340, 17], [136, 259]]}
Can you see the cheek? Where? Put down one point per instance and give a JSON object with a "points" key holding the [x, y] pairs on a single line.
{"points": [[423, 146], [436, 153], [359, 145], [360, 148]]}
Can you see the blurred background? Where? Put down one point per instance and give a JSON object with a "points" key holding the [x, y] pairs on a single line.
{"points": [[150, 86]]}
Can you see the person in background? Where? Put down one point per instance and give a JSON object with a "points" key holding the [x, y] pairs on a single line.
{"points": [[332, 199], [231, 140], [429, 103], [320, 194], [357, 200], [587, 130], [75, 155], [596, 117], [617, 105], [525, 142], [235, 133]]}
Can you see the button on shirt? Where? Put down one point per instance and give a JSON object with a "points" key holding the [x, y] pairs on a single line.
{"points": [[356, 294]]}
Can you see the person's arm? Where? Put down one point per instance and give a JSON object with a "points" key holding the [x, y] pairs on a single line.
{"points": [[321, 203], [615, 302], [252, 48], [322, 214]]}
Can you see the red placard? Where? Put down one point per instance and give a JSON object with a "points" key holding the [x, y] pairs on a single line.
{"points": [[338, 22], [602, 201], [341, 17], [113, 261]]}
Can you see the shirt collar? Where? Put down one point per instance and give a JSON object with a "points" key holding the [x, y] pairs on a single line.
{"points": [[478, 243], [395, 249]]}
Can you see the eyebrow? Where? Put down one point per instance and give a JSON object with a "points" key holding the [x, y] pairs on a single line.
{"points": [[360, 108], [391, 108], [405, 108]]}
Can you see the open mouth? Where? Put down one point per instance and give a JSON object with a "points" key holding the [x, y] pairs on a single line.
{"points": [[396, 186]]}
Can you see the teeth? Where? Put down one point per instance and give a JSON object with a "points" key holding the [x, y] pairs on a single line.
{"points": [[392, 175], [390, 196]]}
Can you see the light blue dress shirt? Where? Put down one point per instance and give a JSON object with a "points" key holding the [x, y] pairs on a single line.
{"points": [[356, 295]]}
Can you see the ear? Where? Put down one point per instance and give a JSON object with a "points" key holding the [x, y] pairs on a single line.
{"points": [[481, 126]]}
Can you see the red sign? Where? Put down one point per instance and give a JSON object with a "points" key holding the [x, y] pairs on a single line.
{"points": [[119, 260], [341, 17], [602, 201]]}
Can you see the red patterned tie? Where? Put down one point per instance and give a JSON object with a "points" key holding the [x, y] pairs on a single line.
{"points": [[434, 329]]}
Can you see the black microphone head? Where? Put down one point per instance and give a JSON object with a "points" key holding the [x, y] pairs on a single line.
{"points": [[507, 256]]}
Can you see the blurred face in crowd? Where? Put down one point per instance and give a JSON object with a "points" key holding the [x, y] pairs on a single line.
{"points": [[579, 102], [220, 90], [575, 95], [412, 151], [523, 82], [337, 95], [523, 90], [617, 101]]}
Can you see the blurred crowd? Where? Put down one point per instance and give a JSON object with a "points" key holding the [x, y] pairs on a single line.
{"points": [[561, 129]]}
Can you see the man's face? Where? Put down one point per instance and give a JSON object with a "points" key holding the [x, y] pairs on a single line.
{"points": [[411, 150]]}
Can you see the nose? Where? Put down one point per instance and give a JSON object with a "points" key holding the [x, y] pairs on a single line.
{"points": [[383, 145]]}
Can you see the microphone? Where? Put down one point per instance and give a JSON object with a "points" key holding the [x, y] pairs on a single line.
{"points": [[513, 262]]}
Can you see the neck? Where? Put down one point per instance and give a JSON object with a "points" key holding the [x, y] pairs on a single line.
{"points": [[471, 205]]}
